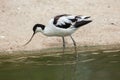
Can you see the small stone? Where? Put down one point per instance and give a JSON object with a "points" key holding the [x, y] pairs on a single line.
{"points": [[18, 8], [112, 23], [109, 6], [2, 37]]}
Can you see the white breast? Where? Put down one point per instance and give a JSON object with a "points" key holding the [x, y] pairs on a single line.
{"points": [[52, 30]]}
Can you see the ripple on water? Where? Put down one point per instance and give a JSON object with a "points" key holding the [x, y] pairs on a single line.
{"points": [[87, 60]]}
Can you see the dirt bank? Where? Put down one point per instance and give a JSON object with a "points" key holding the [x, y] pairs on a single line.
{"points": [[18, 17]]}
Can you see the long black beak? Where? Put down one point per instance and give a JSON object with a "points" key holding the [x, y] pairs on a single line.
{"points": [[30, 39]]}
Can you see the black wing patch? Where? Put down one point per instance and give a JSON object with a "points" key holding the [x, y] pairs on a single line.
{"points": [[57, 17], [81, 23], [65, 25]]}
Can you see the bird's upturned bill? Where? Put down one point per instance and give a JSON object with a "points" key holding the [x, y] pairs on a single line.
{"points": [[30, 39]]}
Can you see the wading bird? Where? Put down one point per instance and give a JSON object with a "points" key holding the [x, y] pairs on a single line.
{"points": [[62, 26]]}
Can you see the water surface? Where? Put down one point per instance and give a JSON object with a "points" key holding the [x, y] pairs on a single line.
{"points": [[91, 65]]}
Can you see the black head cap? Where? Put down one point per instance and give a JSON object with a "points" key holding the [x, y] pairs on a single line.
{"points": [[35, 30], [38, 25]]}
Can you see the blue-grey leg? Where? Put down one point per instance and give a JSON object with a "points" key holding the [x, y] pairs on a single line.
{"points": [[75, 48], [74, 43], [63, 58], [63, 44], [76, 56]]}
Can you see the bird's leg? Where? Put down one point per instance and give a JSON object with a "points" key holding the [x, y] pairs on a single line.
{"points": [[74, 44], [63, 58], [63, 44], [76, 56]]}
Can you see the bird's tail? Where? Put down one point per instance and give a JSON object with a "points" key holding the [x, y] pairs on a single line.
{"points": [[82, 20]]}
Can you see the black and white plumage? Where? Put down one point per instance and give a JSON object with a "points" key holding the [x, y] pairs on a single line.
{"points": [[62, 26]]}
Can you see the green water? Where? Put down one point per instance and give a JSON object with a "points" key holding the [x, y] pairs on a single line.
{"points": [[91, 65]]}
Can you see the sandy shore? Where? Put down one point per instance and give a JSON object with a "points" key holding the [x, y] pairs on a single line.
{"points": [[18, 17]]}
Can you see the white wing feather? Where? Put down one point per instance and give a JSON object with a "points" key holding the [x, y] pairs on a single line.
{"points": [[65, 19]]}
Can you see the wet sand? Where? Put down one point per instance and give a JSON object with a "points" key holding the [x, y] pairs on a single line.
{"points": [[18, 17]]}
